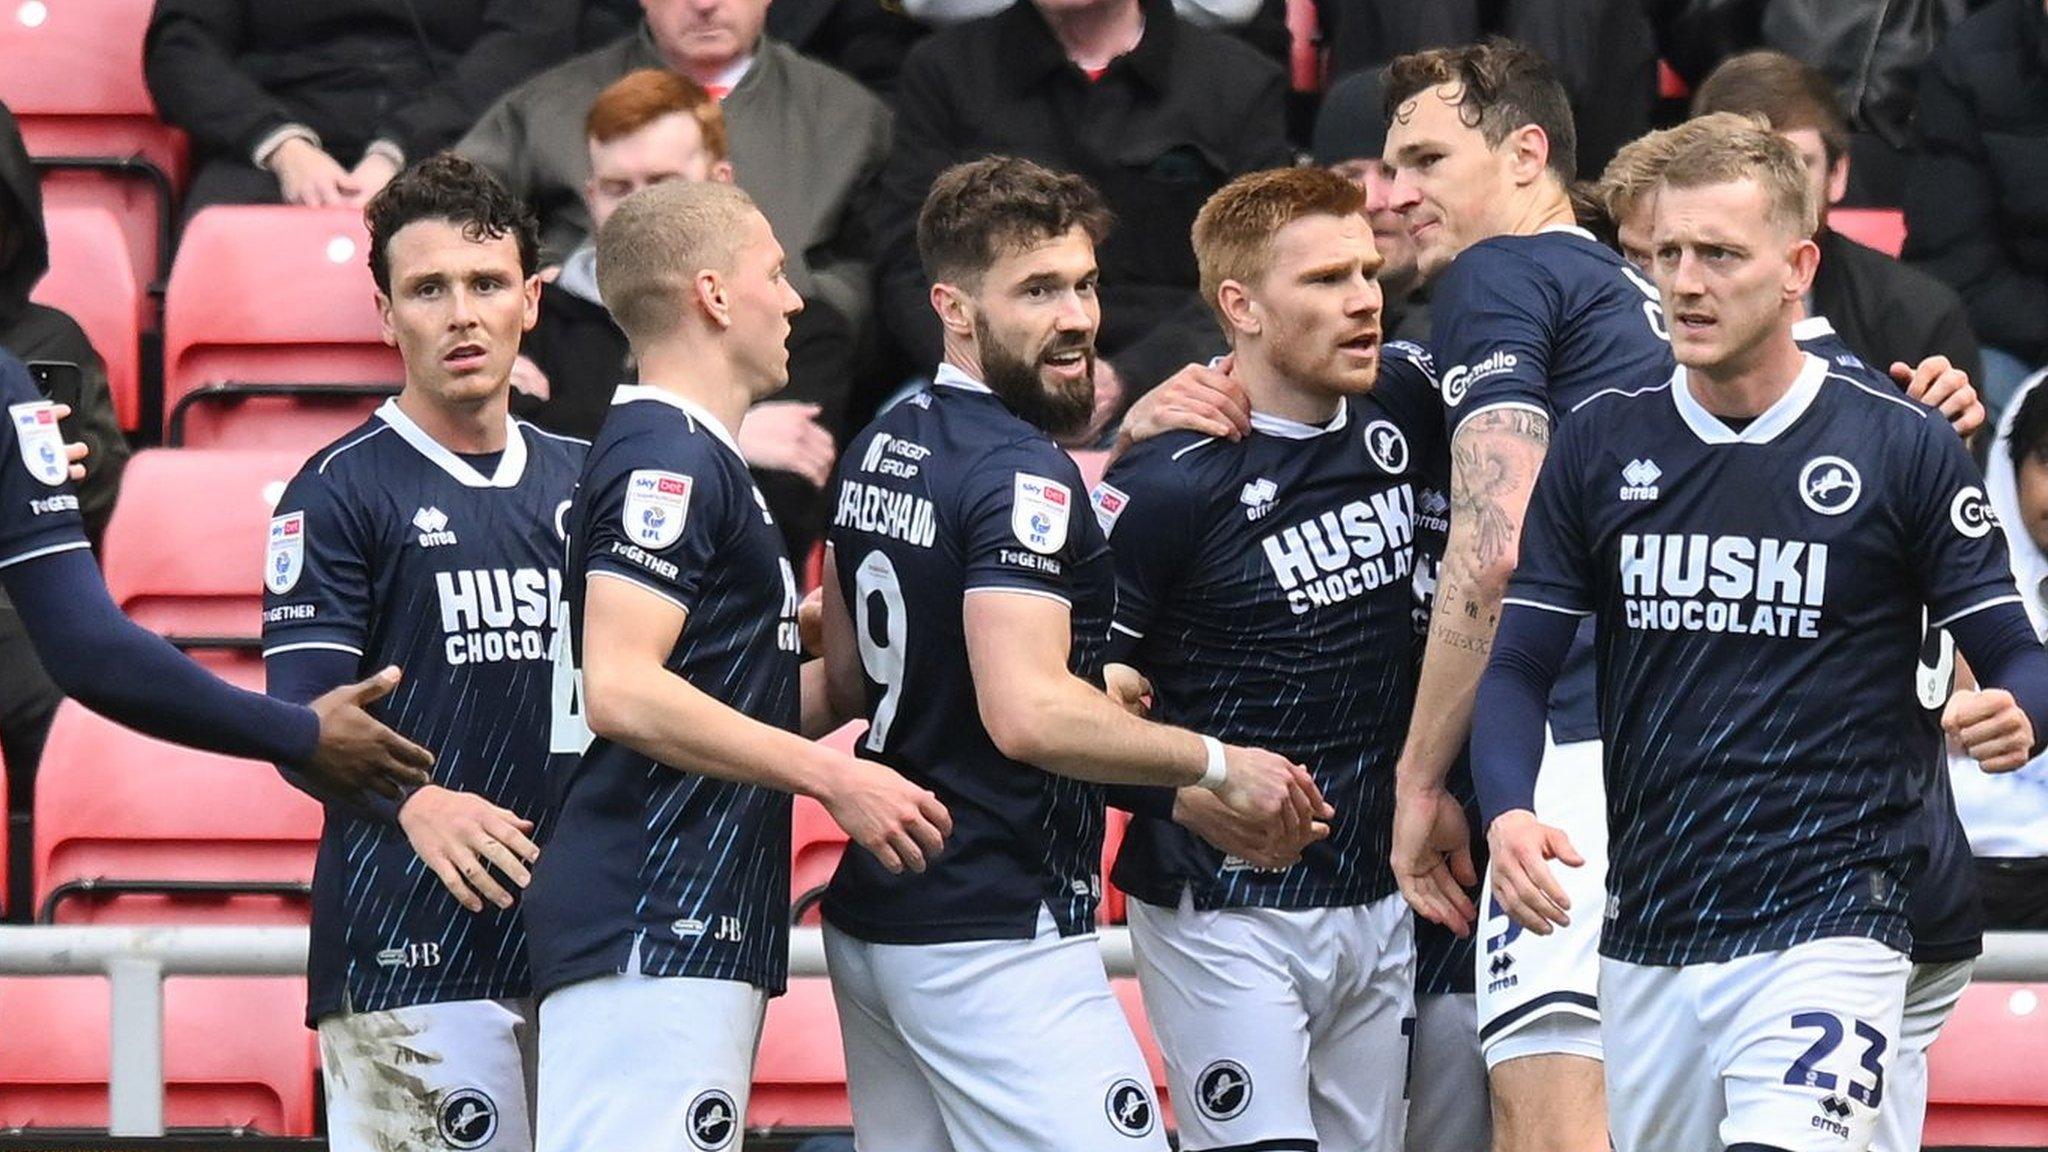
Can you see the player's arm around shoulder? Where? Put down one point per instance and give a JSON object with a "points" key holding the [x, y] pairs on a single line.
{"points": [[1023, 548], [644, 577]]}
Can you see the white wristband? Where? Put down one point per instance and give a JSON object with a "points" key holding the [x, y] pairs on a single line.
{"points": [[1218, 769]]}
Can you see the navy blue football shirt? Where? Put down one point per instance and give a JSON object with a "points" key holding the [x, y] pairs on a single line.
{"points": [[1540, 323], [1947, 920], [38, 507], [944, 496], [1265, 587], [690, 869], [1760, 598], [390, 548]]}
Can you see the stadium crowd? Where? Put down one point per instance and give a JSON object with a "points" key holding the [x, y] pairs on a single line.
{"points": [[789, 324]]}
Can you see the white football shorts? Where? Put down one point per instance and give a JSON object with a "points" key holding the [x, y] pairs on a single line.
{"points": [[635, 1063], [1523, 978], [1931, 994], [1282, 1029], [989, 1046], [1450, 1107], [456, 1075], [1788, 1049]]}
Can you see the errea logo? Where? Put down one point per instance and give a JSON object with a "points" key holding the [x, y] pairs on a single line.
{"points": [[1639, 480], [1258, 496], [433, 526]]}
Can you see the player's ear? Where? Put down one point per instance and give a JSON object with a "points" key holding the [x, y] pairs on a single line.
{"points": [[531, 313], [956, 312], [1238, 309], [1528, 149], [709, 287], [384, 326], [1805, 262], [721, 172]]}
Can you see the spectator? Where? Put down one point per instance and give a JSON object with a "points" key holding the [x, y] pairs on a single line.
{"points": [[1604, 52], [33, 332], [1977, 197], [2007, 816], [805, 140], [1886, 312], [1156, 113], [322, 103], [1350, 140], [649, 127], [1205, 13]]}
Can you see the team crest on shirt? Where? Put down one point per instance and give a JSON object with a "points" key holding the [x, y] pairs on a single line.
{"points": [[41, 443], [713, 1120], [1129, 1107], [1830, 485], [286, 557], [467, 1118], [1386, 445], [1109, 502], [1224, 1090], [657, 504], [1971, 513], [1039, 511]]}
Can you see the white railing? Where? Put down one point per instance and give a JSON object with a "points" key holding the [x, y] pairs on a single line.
{"points": [[136, 960]]}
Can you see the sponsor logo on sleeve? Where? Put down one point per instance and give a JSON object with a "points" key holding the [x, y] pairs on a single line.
{"points": [[41, 444], [1971, 513], [286, 557], [1039, 510], [657, 505], [1459, 380], [1109, 502]]}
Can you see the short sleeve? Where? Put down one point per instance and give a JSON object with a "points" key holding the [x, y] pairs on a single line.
{"points": [[1491, 326], [318, 590], [664, 507], [1408, 392], [38, 506], [1555, 564], [1953, 536], [1019, 514], [1147, 509]]}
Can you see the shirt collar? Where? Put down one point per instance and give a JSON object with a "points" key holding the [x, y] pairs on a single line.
{"points": [[1768, 426], [1570, 229], [1812, 328], [627, 393], [951, 375], [511, 465], [1287, 429]]}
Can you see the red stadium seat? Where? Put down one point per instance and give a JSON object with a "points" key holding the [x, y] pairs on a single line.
{"points": [[113, 806], [1670, 85], [1304, 49], [279, 299], [74, 80], [237, 1054], [184, 549], [800, 1072], [1881, 228], [1986, 1085], [92, 277]]}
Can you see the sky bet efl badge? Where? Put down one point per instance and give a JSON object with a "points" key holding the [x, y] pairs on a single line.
{"points": [[657, 503], [42, 445], [287, 555], [1039, 513]]}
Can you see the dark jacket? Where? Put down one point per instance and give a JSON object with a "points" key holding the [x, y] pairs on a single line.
{"points": [[583, 354], [415, 72], [35, 332], [1168, 124], [1977, 197], [1886, 311]]}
